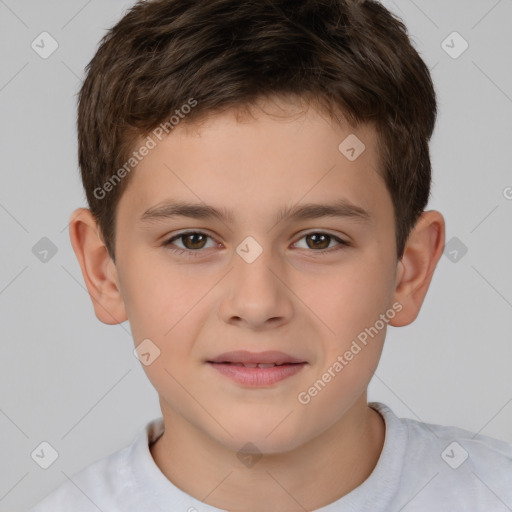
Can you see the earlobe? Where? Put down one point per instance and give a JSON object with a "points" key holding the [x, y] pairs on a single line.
{"points": [[422, 252], [98, 269]]}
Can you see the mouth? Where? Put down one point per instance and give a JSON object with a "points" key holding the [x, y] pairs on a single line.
{"points": [[253, 369], [253, 359], [253, 365]]}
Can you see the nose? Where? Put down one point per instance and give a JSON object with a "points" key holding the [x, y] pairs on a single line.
{"points": [[256, 294]]}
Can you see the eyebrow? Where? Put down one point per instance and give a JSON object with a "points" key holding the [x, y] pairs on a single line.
{"points": [[308, 211]]}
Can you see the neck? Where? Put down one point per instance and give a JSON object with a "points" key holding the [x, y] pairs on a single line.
{"points": [[309, 477]]}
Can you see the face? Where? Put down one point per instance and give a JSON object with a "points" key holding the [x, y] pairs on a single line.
{"points": [[256, 284]]}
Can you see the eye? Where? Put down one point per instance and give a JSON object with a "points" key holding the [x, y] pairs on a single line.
{"points": [[320, 241], [194, 241]]}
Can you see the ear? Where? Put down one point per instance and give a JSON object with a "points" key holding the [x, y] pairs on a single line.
{"points": [[98, 269], [423, 249]]}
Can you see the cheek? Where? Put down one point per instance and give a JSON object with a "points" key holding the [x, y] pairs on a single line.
{"points": [[353, 297], [157, 299], [165, 307]]}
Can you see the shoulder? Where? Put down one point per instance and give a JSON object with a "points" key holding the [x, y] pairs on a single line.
{"points": [[103, 485], [452, 465], [457, 448], [88, 490]]}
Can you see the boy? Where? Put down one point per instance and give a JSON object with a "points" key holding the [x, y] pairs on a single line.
{"points": [[257, 174]]}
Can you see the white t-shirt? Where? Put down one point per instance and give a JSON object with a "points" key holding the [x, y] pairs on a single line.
{"points": [[422, 468]]}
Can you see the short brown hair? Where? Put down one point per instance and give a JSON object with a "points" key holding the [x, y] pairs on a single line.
{"points": [[348, 56]]}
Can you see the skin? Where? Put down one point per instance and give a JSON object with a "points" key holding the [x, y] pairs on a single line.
{"points": [[291, 298]]}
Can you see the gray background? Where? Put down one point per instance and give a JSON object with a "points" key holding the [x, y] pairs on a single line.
{"points": [[71, 381]]}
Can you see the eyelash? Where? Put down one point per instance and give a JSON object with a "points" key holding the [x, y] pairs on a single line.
{"points": [[195, 253]]}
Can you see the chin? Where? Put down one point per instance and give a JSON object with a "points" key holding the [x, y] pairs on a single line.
{"points": [[267, 436]]}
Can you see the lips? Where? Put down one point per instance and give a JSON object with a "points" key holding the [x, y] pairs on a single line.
{"points": [[266, 359], [253, 365], [262, 369]]}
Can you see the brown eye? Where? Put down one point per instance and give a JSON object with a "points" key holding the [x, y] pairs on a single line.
{"points": [[318, 240], [321, 241], [190, 242], [193, 240]]}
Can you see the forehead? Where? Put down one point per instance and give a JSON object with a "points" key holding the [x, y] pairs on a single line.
{"points": [[260, 163]]}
